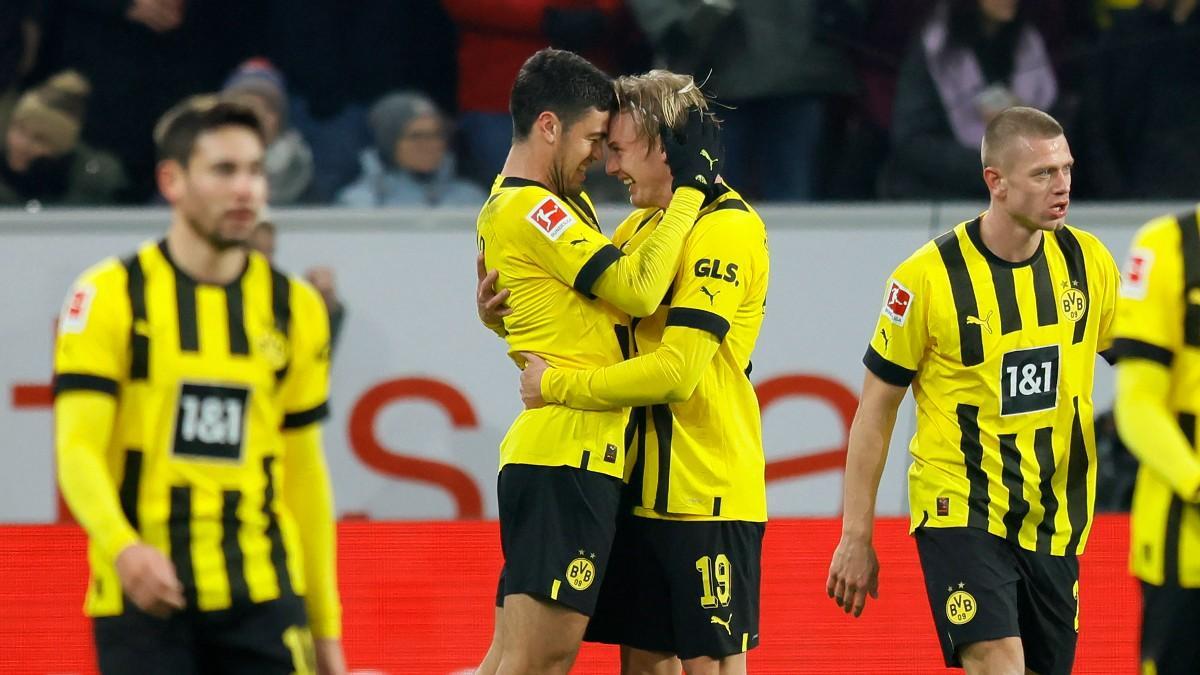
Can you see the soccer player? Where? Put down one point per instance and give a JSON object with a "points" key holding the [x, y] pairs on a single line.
{"points": [[1157, 334], [560, 469], [996, 326], [190, 378], [684, 575]]}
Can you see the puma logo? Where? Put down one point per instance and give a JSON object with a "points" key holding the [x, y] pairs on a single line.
{"points": [[986, 322], [886, 341], [712, 297], [711, 160], [724, 623], [578, 241]]}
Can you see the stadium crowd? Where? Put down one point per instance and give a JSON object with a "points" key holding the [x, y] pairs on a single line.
{"points": [[380, 103]]}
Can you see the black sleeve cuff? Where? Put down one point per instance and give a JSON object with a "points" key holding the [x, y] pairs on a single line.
{"points": [[1126, 348], [64, 382], [699, 319], [306, 417], [594, 267], [887, 371]]}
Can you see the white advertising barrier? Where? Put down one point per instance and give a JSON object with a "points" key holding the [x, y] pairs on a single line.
{"points": [[422, 394]]}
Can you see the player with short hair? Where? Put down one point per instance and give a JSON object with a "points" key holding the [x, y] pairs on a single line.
{"points": [[1157, 343], [996, 326], [560, 469], [190, 378], [684, 577]]}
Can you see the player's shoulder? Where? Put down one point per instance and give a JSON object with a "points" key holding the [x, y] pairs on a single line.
{"points": [[927, 258], [632, 223], [112, 273], [1089, 243], [728, 211], [1160, 234]]}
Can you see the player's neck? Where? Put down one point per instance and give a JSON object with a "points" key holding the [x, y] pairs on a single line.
{"points": [[1006, 238], [199, 259], [524, 161]]}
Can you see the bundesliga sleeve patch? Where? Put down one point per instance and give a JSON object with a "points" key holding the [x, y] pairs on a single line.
{"points": [[75, 312], [1136, 278], [897, 303], [550, 218]]}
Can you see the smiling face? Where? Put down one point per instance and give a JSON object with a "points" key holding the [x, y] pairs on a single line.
{"points": [[633, 161], [222, 189], [575, 149], [1034, 181]]}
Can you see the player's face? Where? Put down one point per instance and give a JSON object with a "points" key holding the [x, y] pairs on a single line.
{"points": [[644, 171], [577, 147], [1037, 182], [223, 188]]}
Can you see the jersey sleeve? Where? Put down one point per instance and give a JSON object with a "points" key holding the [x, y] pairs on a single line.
{"points": [[902, 329], [714, 274], [91, 351], [1111, 278], [306, 385], [564, 245], [1149, 316]]}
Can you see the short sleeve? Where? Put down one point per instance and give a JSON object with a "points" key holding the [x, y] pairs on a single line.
{"points": [[306, 386], [1149, 318], [715, 272], [902, 329], [91, 349], [561, 242]]}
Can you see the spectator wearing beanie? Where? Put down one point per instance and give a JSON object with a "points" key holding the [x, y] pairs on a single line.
{"points": [[43, 161], [409, 165], [289, 160]]}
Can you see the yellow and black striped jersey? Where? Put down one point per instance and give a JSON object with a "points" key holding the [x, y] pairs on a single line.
{"points": [[703, 458], [206, 378], [1158, 319], [549, 252], [1001, 359]]}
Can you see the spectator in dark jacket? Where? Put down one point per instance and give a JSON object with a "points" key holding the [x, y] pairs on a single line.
{"points": [[973, 59], [42, 160]]}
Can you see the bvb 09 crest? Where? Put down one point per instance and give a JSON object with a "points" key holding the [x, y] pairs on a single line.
{"points": [[581, 573], [960, 607], [1074, 303]]}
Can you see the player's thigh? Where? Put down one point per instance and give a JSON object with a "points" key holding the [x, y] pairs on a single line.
{"points": [[1170, 644], [734, 664], [971, 579], [134, 643], [643, 662], [265, 638], [713, 570], [538, 632], [1048, 605], [556, 530], [994, 657]]}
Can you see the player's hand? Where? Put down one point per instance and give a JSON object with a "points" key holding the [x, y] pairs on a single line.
{"points": [[488, 302], [853, 574], [694, 153], [149, 579], [330, 659], [159, 16], [531, 380]]}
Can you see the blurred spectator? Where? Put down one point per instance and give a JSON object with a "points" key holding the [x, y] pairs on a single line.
{"points": [[494, 39], [43, 159], [776, 63], [289, 160], [409, 164], [143, 56], [1116, 467], [1142, 131], [263, 241], [974, 58], [20, 34], [341, 56]]}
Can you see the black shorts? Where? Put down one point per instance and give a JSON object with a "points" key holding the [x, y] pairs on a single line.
{"points": [[1170, 639], [269, 637], [556, 530], [685, 588], [983, 587]]}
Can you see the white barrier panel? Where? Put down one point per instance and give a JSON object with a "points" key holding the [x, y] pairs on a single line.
{"points": [[422, 394]]}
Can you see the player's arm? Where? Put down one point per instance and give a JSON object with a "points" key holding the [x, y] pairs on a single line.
{"points": [[490, 304], [307, 492], [897, 348], [1149, 330], [89, 362], [1148, 427]]}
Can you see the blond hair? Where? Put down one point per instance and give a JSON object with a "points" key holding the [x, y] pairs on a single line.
{"points": [[659, 97], [1013, 123]]}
